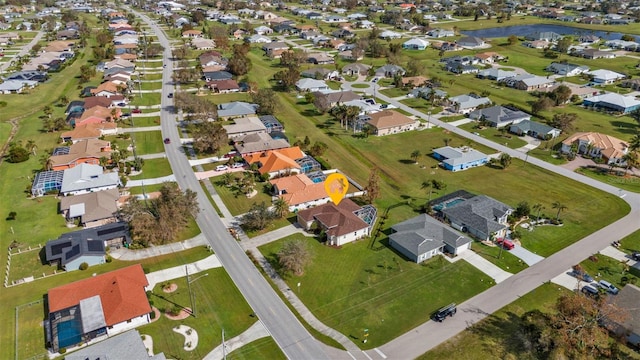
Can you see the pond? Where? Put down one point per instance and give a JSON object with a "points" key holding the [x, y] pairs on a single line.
{"points": [[522, 30]]}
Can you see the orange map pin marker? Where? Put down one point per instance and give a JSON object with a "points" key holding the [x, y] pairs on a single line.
{"points": [[336, 187]]}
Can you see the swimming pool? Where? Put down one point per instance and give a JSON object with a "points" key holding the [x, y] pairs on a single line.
{"points": [[439, 207], [69, 333]]}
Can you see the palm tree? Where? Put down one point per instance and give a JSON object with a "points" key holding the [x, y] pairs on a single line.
{"points": [[427, 185], [560, 206], [537, 208], [281, 207], [505, 160], [227, 178], [415, 155], [31, 147], [634, 144], [630, 158]]}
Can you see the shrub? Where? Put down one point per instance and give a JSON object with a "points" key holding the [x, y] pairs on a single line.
{"points": [[63, 351], [108, 259], [84, 266]]}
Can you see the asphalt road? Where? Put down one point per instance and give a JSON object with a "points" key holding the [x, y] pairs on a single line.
{"points": [[290, 335]]}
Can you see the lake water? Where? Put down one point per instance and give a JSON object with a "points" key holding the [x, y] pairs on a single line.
{"points": [[522, 30]]}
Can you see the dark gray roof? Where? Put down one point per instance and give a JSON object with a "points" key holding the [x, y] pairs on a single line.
{"points": [[480, 212], [218, 75], [627, 300], [423, 234], [529, 125], [127, 345], [236, 108], [498, 115]]}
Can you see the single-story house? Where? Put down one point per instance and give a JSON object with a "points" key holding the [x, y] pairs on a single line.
{"points": [[259, 143], [627, 325], [356, 69], [596, 54], [597, 145], [499, 116], [236, 109], [128, 345], [277, 162], [203, 44], [244, 126], [543, 35], [86, 178], [16, 86], [455, 159], [342, 223], [263, 30], [299, 191], [271, 48], [258, 39], [320, 73], [534, 129], [320, 58], [605, 77], [311, 85], [89, 131], [223, 86], [528, 82], [567, 69], [193, 33], [389, 71], [536, 44], [467, 103], [613, 102], [480, 216], [389, 35], [489, 57], [423, 237], [425, 93], [337, 97], [271, 123], [388, 122], [82, 152], [495, 74], [93, 209], [415, 44], [105, 304], [440, 33]]}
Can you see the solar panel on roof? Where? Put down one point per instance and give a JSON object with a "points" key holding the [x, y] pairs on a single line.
{"points": [[73, 252], [95, 245], [112, 230], [57, 248], [63, 150]]}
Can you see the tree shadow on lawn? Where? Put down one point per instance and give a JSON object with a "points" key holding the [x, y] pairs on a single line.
{"points": [[407, 162], [624, 128]]}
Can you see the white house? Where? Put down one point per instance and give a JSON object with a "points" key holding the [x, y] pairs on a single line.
{"points": [[311, 85], [605, 77], [415, 44]]}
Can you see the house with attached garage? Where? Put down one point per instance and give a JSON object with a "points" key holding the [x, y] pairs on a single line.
{"points": [[311, 85], [566, 69], [456, 159], [342, 223], [481, 216], [389, 122], [464, 104], [605, 77], [93, 209], [245, 126], [86, 178], [499, 116], [356, 69], [596, 54], [299, 191], [422, 237], [534, 129], [389, 71], [236, 109], [415, 44], [471, 42], [528, 82], [495, 74], [613, 102], [105, 304], [608, 148]]}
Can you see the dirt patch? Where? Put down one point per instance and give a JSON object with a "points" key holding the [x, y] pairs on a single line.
{"points": [[184, 313], [170, 288]]}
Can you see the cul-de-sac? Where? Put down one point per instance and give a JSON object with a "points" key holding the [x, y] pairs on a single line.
{"points": [[330, 179]]}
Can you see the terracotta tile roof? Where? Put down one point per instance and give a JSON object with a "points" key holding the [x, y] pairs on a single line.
{"points": [[121, 293], [610, 147], [93, 101], [126, 46], [126, 56], [279, 160], [388, 119], [99, 112], [107, 86], [416, 80], [91, 148], [293, 153], [300, 189], [227, 84], [88, 131], [60, 45], [336, 220]]}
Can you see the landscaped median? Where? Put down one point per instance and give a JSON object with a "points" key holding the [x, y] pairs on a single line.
{"points": [[357, 287]]}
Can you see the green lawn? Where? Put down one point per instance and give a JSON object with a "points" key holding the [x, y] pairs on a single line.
{"points": [[154, 168], [609, 269], [148, 142], [628, 183], [219, 305], [238, 203], [137, 190], [359, 86], [421, 105], [393, 92], [452, 118], [503, 260], [146, 99], [30, 343], [149, 85], [264, 348], [355, 287], [142, 121], [493, 134]]}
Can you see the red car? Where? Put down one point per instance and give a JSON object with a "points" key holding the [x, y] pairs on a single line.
{"points": [[506, 243], [136, 111]]}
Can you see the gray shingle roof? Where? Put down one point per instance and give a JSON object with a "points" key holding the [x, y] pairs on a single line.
{"points": [[236, 108], [498, 115], [127, 345], [529, 125], [480, 212], [423, 234]]}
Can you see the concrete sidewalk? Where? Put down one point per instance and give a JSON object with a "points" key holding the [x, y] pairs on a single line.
{"points": [[148, 157], [485, 266], [139, 129], [176, 272], [251, 243], [131, 255], [614, 253], [254, 332], [154, 181]]}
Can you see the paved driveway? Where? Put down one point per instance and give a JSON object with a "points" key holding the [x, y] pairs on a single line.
{"points": [[525, 255]]}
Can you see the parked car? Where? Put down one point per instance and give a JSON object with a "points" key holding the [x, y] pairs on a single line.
{"points": [[505, 243], [582, 276], [442, 313], [375, 80], [122, 104], [167, 141], [237, 165], [136, 111], [590, 290], [611, 289], [230, 155], [125, 115], [635, 256], [170, 95], [222, 167]]}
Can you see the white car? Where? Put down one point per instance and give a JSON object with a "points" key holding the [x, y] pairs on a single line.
{"points": [[237, 165], [222, 167]]}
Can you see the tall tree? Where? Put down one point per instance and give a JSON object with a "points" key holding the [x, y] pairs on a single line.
{"points": [[280, 207], [537, 207], [294, 256], [258, 217], [267, 101], [415, 155], [209, 137], [373, 185], [505, 160]]}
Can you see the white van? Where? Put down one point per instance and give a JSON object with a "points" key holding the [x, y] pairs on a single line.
{"points": [[611, 289]]}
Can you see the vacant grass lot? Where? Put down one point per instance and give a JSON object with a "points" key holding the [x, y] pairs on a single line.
{"points": [[238, 203], [355, 287], [219, 305], [23, 294], [142, 121], [148, 142], [629, 183], [146, 99], [31, 341], [154, 168]]}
